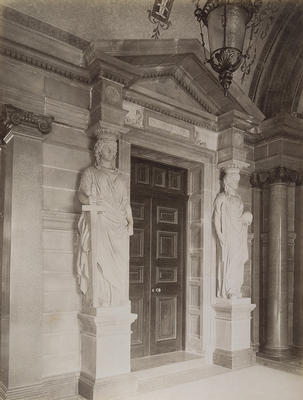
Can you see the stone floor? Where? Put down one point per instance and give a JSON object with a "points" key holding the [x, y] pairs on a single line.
{"points": [[253, 383], [182, 376]]}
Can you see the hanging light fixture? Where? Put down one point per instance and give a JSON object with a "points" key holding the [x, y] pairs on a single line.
{"points": [[226, 22]]}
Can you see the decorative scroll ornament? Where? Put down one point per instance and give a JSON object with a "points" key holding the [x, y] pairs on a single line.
{"points": [[13, 116], [159, 15]]}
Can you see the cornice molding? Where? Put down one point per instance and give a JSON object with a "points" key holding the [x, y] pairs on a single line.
{"points": [[239, 120], [43, 62], [198, 121], [12, 116], [42, 27], [101, 65], [283, 125]]}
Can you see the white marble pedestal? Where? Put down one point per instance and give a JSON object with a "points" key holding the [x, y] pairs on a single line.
{"points": [[105, 353], [233, 345]]}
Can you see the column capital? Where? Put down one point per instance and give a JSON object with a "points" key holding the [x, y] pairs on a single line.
{"points": [[299, 180], [281, 175], [11, 116], [255, 180], [273, 176]]}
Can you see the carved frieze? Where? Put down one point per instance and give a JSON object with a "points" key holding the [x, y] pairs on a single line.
{"points": [[211, 125], [112, 95], [134, 116], [13, 116]]}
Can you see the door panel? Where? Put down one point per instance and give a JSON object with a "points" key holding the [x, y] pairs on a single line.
{"points": [[139, 276], [157, 257], [166, 275]]}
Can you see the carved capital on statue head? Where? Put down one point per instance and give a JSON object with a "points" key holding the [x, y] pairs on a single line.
{"points": [[106, 133], [106, 130], [13, 116], [281, 175], [233, 164]]}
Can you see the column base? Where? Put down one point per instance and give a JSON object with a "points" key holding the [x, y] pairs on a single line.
{"points": [[233, 347], [108, 388], [234, 359], [297, 351], [276, 354], [32, 392], [105, 348]]}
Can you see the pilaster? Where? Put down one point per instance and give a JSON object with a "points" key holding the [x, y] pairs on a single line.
{"points": [[21, 298], [298, 270]]}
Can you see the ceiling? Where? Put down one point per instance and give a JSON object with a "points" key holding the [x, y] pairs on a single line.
{"points": [[273, 74]]}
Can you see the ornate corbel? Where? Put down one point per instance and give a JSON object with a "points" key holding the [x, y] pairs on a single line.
{"points": [[12, 116]]}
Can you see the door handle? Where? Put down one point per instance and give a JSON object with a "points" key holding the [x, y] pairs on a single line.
{"points": [[156, 290]]}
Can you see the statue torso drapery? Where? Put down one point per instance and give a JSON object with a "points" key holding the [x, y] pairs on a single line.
{"points": [[108, 188]]}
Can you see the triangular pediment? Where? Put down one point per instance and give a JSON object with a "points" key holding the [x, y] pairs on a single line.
{"points": [[167, 89]]}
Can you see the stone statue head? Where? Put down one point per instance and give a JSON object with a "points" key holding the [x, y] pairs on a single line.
{"points": [[105, 149], [231, 179]]}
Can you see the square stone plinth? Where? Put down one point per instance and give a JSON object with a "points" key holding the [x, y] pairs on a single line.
{"points": [[233, 344], [105, 349]]}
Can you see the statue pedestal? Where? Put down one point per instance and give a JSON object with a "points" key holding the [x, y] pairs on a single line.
{"points": [[233, 346], [105, 352]]}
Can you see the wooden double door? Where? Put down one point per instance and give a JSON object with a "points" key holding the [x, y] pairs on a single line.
{"points": [[158, 200]]}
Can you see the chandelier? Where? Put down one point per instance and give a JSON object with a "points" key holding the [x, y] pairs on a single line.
{"points": [[226, 22]]}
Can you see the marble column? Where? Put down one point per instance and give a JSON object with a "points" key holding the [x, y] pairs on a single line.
{"points": [[256, 183], [22, 284], [298, 271], [276, 335]]}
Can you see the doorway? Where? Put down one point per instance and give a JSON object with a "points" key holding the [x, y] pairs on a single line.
{"points": [[157, 254]]}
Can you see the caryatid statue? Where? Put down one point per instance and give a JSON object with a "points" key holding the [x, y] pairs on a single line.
{"points": [[231, 225], [104, 186]]}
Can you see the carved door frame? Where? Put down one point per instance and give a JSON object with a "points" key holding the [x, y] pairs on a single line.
{"points": [[200, 265]]}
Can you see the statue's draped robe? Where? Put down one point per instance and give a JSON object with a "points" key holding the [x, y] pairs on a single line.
{"points": [[112, 252], [234, 251]]}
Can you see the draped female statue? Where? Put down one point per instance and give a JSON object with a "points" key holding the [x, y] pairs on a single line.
{"points": [[104, 186], [231, 225]]}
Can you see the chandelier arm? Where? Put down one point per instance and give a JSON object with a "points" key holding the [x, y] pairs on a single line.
{"points": [[203, 42]]}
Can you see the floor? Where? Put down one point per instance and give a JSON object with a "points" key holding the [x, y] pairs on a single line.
{"points": [[158, 360], [253, 383]]}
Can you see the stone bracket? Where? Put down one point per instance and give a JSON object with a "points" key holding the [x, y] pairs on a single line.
{"points": [[12, 116]]}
